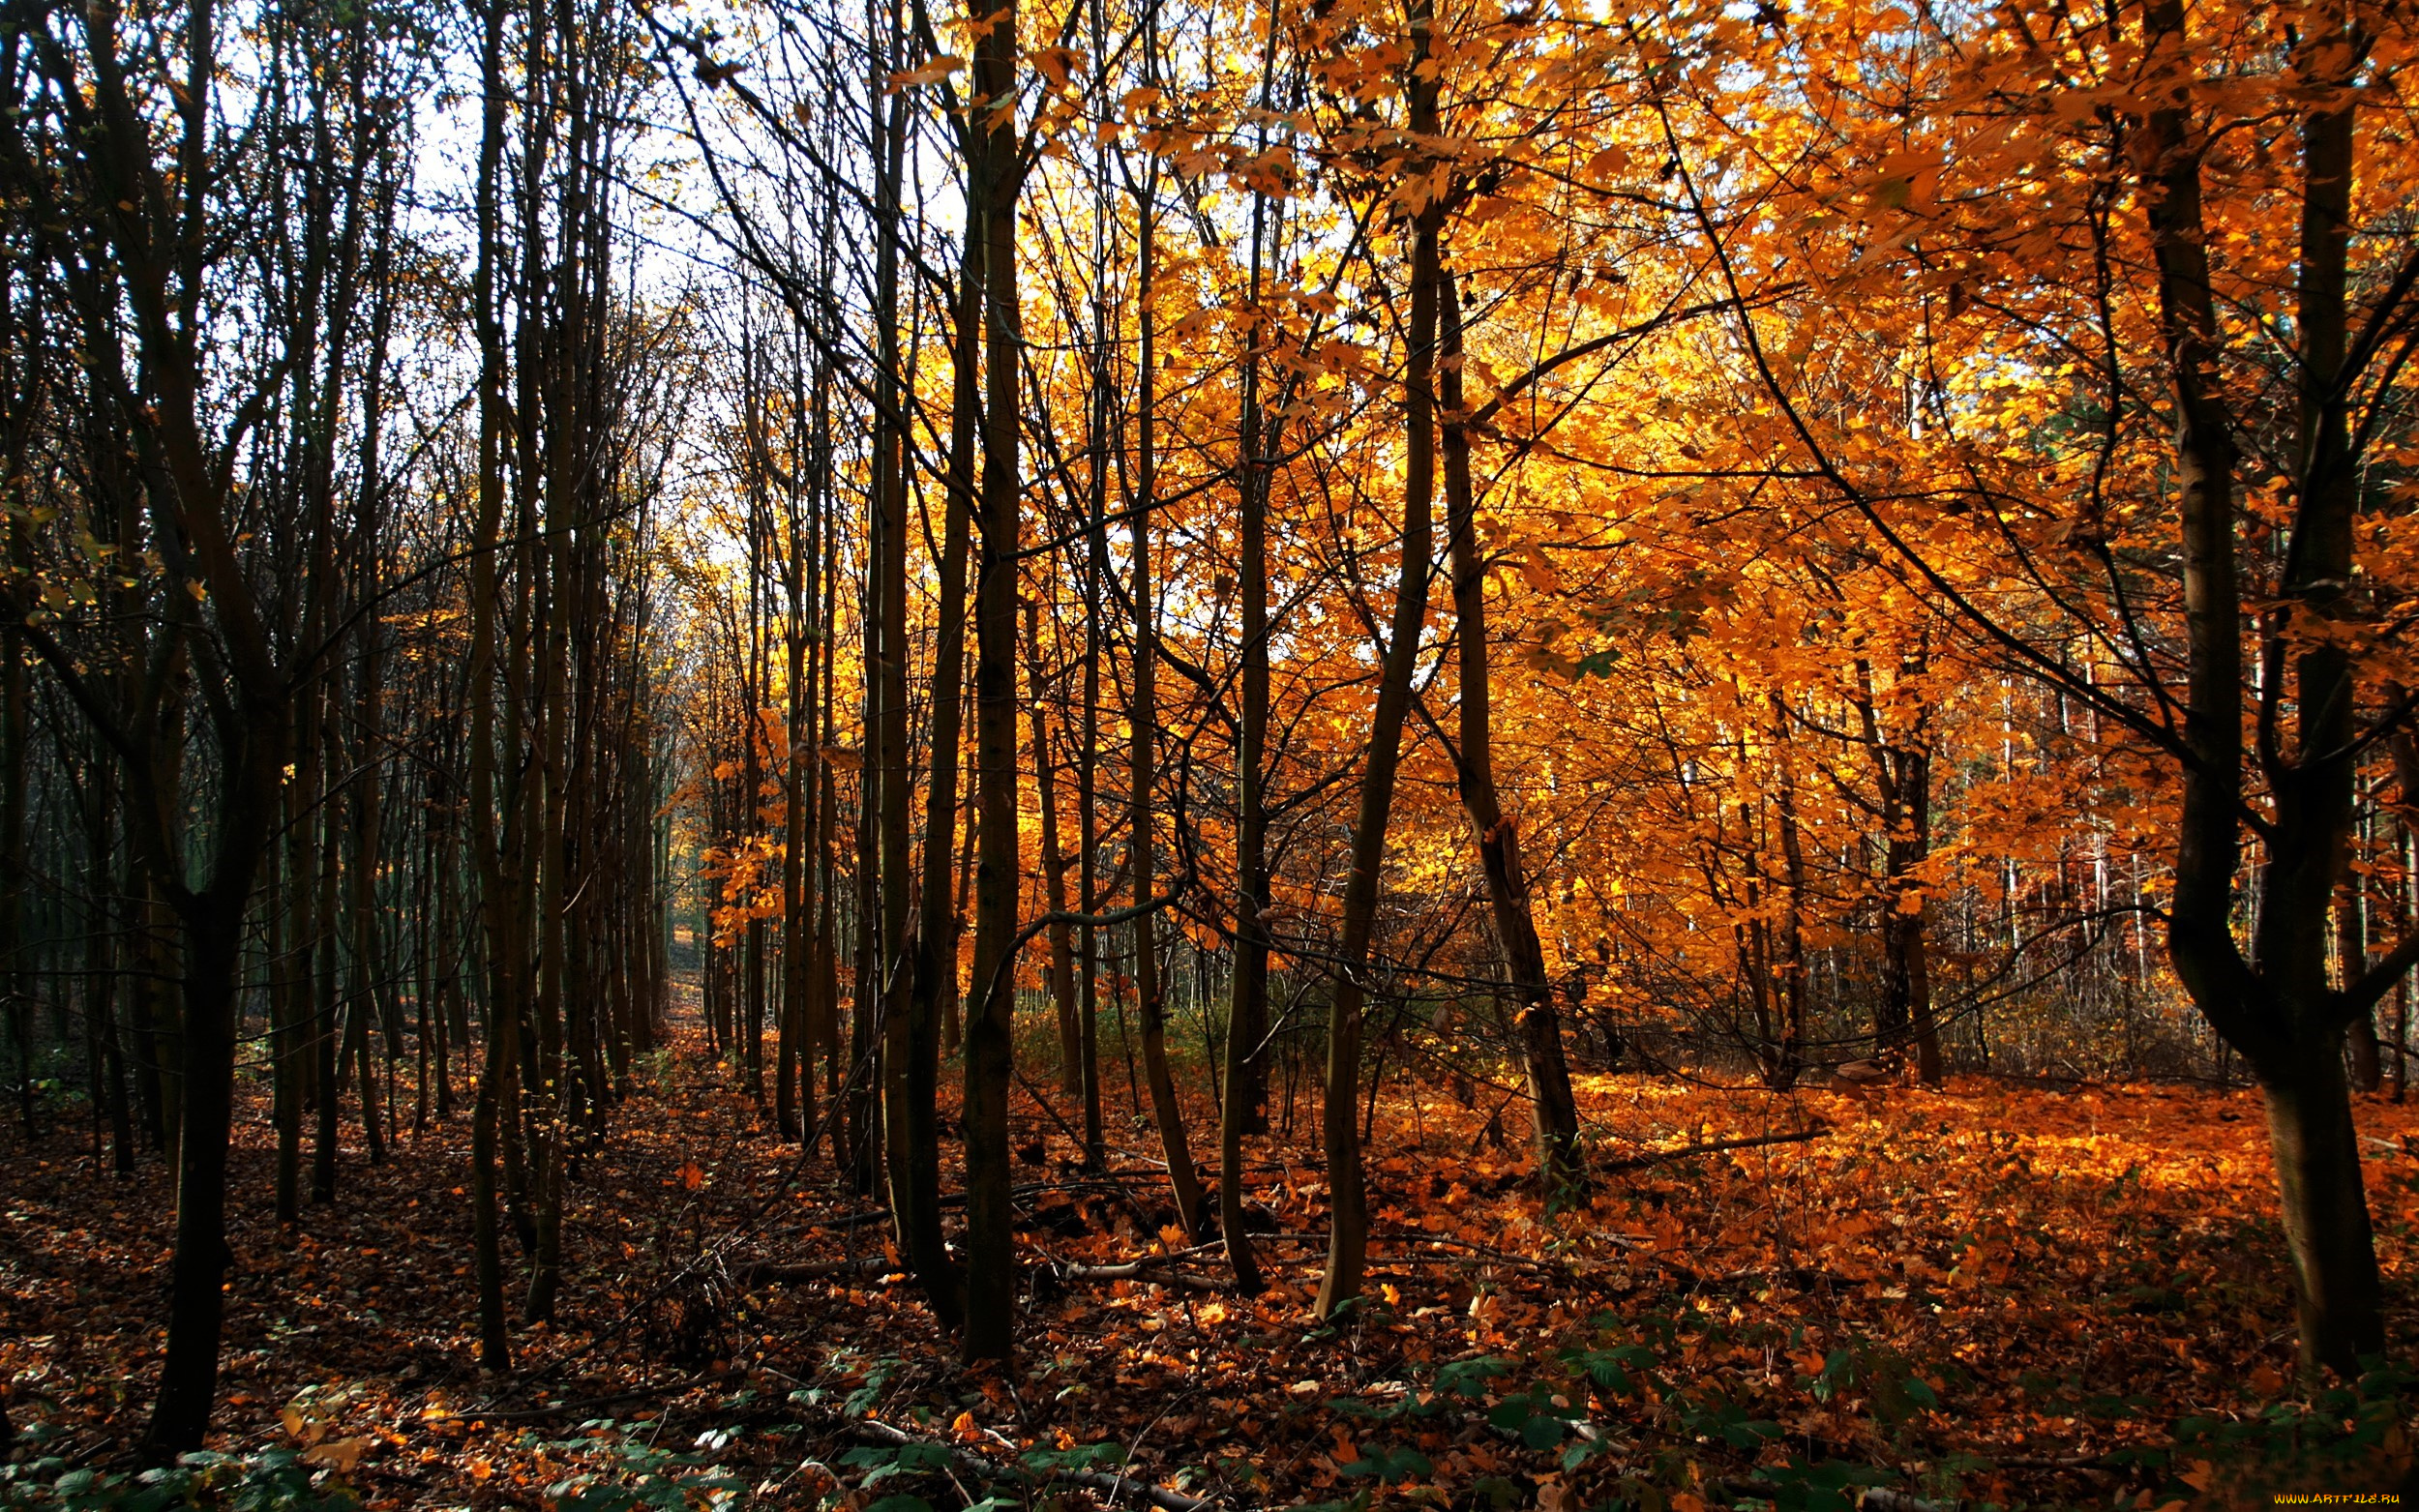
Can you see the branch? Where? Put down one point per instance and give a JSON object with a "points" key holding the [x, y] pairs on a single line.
{"points": [[1713, 1147], [978, 1464], [2376, 982]]}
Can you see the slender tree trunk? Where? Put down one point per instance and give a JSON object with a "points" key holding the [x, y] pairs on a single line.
{"points": [[1088, 789], [1554, 1114], [923, 990], [1101, 430], [990, 1042], [1902, 772], [1348, 1238], [329, 1029], [1791, 1060], [1053, 865], [108, 1060], [15, 730], [2351, 949], [487, 1107], [1243, 1107], [289, 999], [196, 1282], [1906, 934], [1143, 720], [796, 906]]}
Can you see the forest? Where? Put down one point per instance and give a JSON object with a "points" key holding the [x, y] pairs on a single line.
{"points": [[1207, 754]]}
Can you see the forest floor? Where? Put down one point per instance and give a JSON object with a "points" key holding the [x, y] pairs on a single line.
{"points": [[1981, 1295]]}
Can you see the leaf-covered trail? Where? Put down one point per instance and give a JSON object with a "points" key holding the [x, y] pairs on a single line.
{"points": [[2015, 1294]]}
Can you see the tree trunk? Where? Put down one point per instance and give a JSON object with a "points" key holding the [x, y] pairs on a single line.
{"points": [[1789, 1062], [15, 727], [499, 958], [1143, 719], [1053, 867], [990, 1042], [1348, 1237], [1554, 1113], [2280, 1013], [2351, 949], [188, 1375], [796, 901], [327, 1022], [2326, 1208], [1243, 1108], [1903, 771], [931, 985]]}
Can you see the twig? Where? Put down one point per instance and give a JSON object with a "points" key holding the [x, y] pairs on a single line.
{"points": [[566, 1408], [1875, 1498], [1150, 1266], [767, 1273], [1111, 1184], [1098, 1480], [1714, 1147]]}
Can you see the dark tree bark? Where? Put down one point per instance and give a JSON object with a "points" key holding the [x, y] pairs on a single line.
{"points": [[488, 845], [1553, 1114], [1142, 721], [1243, 1108], [1053, 864], [2273, 1005], [1348, 1238], [990, 1042]]}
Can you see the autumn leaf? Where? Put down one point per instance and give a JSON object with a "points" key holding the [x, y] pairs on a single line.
{"points": [[932, 72]]}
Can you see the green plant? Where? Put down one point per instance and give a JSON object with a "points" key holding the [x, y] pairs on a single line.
{"points": [[272, 1480]]}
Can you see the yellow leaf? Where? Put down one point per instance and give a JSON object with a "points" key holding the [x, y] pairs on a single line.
{"points": [[932, 73], [1540, 572], [1057, 64], [1607, 162]]}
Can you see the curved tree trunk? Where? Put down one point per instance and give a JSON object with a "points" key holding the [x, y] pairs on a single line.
{"points": [[2276, 1007], [1554, 1113], [1143, 721]]}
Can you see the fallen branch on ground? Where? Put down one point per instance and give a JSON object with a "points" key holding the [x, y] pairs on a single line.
{"points": [[530, 1415], [1714, 1148], [768, 1273], [1152, 1267], [1874, 1498], [979, 1465]]}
